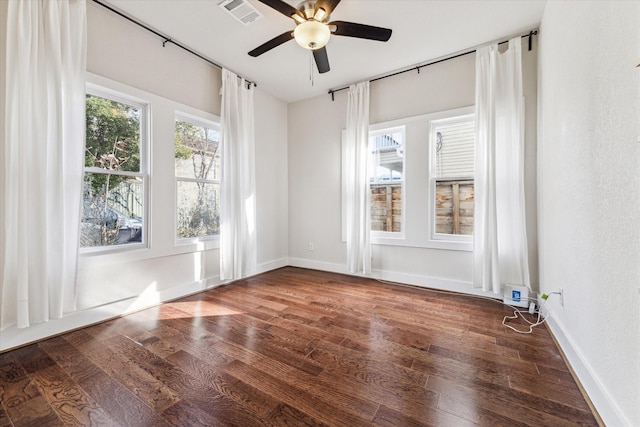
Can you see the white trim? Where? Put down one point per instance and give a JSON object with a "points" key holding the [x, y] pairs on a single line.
{"points": [[434, 283], [600, 397], [140, 251], [144, 173], [13, 337], [204, 119], [418, 194], [440, 240], [389, 237], [213, 240], [400, 278], [271, 265], [319, 265]]}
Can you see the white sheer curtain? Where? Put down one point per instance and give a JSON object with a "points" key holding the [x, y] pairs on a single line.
{"points": [[237, 186], [42, 152], [357, 180], [500, 241]]}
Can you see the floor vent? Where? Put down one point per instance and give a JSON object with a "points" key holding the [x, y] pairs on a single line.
{"points": [[241, 10]]}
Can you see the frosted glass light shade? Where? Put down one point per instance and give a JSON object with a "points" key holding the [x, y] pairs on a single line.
{"points": [[312, 34]]}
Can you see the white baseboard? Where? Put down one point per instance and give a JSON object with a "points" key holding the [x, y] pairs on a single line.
{"points": [[602, 401], [393, 276], [271, 265], [433, 283], [13, 337], [318, 265]]}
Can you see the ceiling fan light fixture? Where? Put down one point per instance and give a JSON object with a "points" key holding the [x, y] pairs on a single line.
{"points": [[320, 14], [312, 34]]}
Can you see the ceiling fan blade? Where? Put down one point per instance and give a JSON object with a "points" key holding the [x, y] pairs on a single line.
{"points": [[351, 29], [274, 42], [322, 60], [327, 5], [282, 7]]}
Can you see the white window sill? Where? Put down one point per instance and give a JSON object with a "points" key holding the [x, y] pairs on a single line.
{"points": [[466, 246], [139, 252]]}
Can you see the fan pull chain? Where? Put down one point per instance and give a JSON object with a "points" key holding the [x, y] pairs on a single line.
{"points": [[311, 66]]}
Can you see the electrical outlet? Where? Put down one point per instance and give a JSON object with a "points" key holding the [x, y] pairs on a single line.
{"points": [[311, 247], [561, 297]]}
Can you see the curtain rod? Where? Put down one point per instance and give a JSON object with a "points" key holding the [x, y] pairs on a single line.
{"points": [[166, 39], [530, 34]]}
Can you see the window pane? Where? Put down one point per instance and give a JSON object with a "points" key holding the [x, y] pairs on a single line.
{"points": [[386, 207], [454, 207], [388, 163], [196, 151], [112, 210], [198, 213], [387, 169], [454, 148], [112, 135], [453, 145]]}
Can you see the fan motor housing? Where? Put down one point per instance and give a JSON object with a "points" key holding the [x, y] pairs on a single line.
{"points": [[308, 9]]}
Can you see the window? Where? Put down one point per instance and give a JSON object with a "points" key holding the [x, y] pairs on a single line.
{"points": [[386, 179], [452, 144], [115, 176], [413, 180], [197, 168]]}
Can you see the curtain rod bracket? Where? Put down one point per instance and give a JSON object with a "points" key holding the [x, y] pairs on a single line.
{"points": [[332, 92], [447, 58], [157, 33]]}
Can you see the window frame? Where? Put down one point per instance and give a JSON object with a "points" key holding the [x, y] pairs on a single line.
{"points": [[213, 239], [442, 240], [418, 196], [378, 236], [93, 89]]}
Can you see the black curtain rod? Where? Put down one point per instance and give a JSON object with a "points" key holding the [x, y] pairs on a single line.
{"points": [[166, 39], [530, 34]]}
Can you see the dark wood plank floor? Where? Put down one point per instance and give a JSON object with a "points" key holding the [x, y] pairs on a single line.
{"points": [[296, 347]]}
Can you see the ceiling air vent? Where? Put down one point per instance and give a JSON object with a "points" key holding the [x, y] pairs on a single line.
{"points": [[242, 10]]}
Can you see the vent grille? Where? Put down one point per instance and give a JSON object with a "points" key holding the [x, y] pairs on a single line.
{"points": [[241, 10]]}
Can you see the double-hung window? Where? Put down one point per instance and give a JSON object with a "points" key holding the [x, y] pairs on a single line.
{"points": [[197, 169], [452, 144], [115, 172], [421, 181]]}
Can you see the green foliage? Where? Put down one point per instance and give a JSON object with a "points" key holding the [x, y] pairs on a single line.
{"points": [[187, 136], [112, 137]]}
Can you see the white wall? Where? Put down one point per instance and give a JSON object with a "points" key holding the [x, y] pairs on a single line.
{"points": [[129, 54], [315, 127], [272, 199], [589, 195], [3, 29], [125, 58]]}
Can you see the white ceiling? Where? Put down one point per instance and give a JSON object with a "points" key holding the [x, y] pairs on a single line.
{"points": [[422, 31]]}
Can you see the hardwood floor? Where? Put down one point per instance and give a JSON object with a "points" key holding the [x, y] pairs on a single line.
{"points": [[296, 347]]}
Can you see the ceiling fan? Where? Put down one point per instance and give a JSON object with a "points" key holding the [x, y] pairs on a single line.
{"points": [[313, 29]]}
